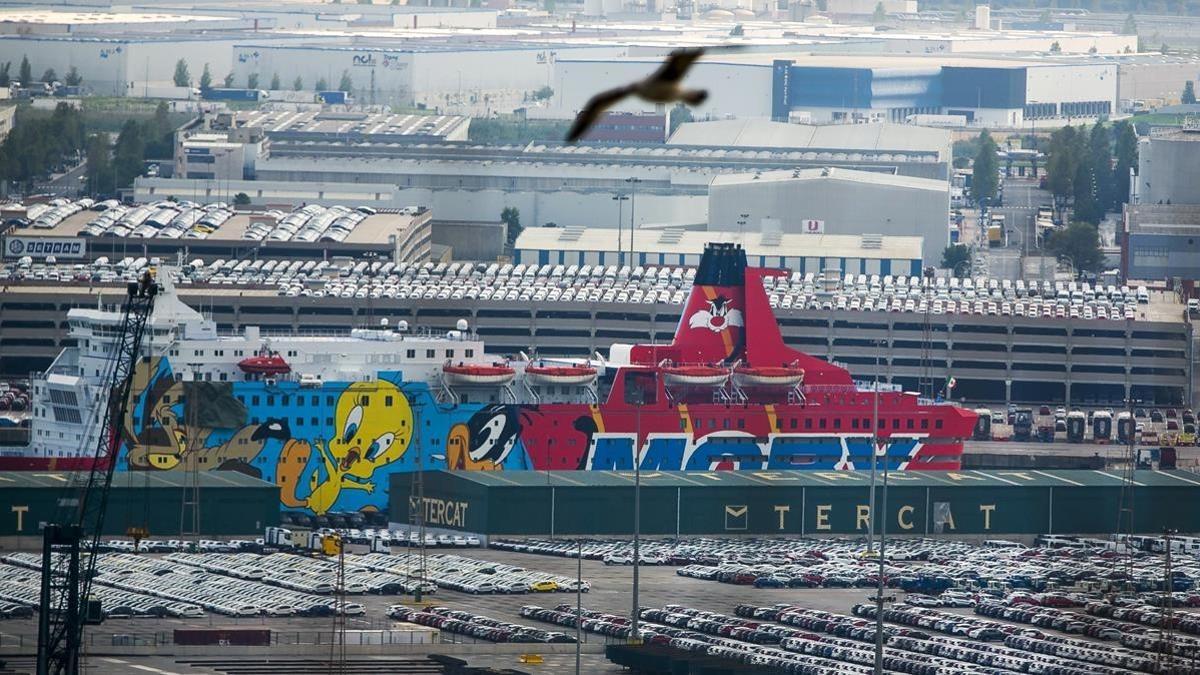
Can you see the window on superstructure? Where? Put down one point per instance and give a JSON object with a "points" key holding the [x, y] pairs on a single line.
{"points": [[895, 423], [937, 424], [712, 423], [329, 421], [469, 352], [286, 399], [725, 423], [449, 353], [411, 353], [853, 422], [198, 352], [908, 424], [315, 402], [328, 400], [924, 423], [299, 421], [837, 423], [808, 423], [312, 421], [741, 422], [253, 400], [270, 400], [238, 352]]}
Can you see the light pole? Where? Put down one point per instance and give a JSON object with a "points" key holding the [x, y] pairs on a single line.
{"points": [[874, 451], [620, 199], [878, 516], [633, 182], [637, 520], [578, 599]]}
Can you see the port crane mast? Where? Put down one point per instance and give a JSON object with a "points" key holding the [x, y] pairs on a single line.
{"points": [[69, 546]]}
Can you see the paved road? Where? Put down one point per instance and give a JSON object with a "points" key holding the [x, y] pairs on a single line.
{"points": [[65, 184]]}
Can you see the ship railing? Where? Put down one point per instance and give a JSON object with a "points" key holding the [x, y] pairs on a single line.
{"points": [[871, 385]]}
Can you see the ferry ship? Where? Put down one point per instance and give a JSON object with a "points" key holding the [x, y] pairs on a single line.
{"points": [[329, 417]]}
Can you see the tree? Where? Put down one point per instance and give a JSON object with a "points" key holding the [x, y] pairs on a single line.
{"points": [[1081, 243], [49, 76], [1189, 93], [543, 94], [241, 199], [129, 153], [229, 80], [26, 72], [880, 14], [252, 81], [346, 84], [511, 217], [182, 77], [1060, 163], [275, 86], [954, 256], [1125, 151], [73, 78], [322, 84], [1100, 160], [298, 83], [1055, 47], [1130, 27], [99, 173], [680, 114], [206, 78], [5, 78], [985, 179]]}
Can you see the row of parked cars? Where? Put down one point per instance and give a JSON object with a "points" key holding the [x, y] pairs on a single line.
{"points": [[469, 575], [309, 223], [476, 625], [20, 596], [1097, 655]]}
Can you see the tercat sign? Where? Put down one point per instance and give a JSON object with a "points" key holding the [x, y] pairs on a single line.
{"points": [[44, 247], [813, 227]]}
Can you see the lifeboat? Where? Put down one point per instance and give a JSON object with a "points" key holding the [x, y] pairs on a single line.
{"points": [[768, 376], [265, 364], [479, 374], [560, 374], [695, 376]]}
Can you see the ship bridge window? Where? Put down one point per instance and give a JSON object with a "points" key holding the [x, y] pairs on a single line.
{"points": [[429, 353], [470, 353], [449, 355], [411, 353], [641, 388]]}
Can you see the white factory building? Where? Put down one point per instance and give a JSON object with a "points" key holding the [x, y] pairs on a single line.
{"points": [[804, 253], [832, 201]]}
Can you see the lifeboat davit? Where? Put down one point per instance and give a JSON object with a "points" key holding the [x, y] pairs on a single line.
{"points": [[265, 364], [479, 374], [695, 376], [768, 376], [560, 374]]}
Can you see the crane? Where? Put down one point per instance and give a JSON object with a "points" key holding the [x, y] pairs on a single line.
{"points": [[71, 543]]}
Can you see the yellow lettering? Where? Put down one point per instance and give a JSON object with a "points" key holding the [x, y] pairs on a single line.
{"points": [[836, 475], [987, 515], [1016, 474], [823, 516], [903, 476], [864, 517], [774, 476], [709, 476], [954, 475], [781, 510], [902, 517], [20, 511], [950, 519]]}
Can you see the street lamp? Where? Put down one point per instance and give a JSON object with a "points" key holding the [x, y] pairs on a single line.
{"points": [[633, 182], [620, 199]]}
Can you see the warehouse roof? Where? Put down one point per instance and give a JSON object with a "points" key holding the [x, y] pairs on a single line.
{"points": [[691, 242], [765, 134], [831, 174], [134, 479], [997, 478]]}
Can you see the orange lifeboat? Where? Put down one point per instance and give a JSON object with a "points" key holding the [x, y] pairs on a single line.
{"points": [[479, 374], [696, 375], [560, 374], [768, 376], [265, 364]]}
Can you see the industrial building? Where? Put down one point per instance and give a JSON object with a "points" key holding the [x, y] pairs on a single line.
{"points": [[1169, 166], [777, 501], [1067, 361], [230, 503], [797, 251], [822, 87], [1162, 243], [834, 202]]}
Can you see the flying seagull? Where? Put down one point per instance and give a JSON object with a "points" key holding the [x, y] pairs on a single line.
{"points": [[660, 87]]}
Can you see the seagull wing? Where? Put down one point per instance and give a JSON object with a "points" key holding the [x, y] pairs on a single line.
{"points": [[676, 66], [594, 108]]}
